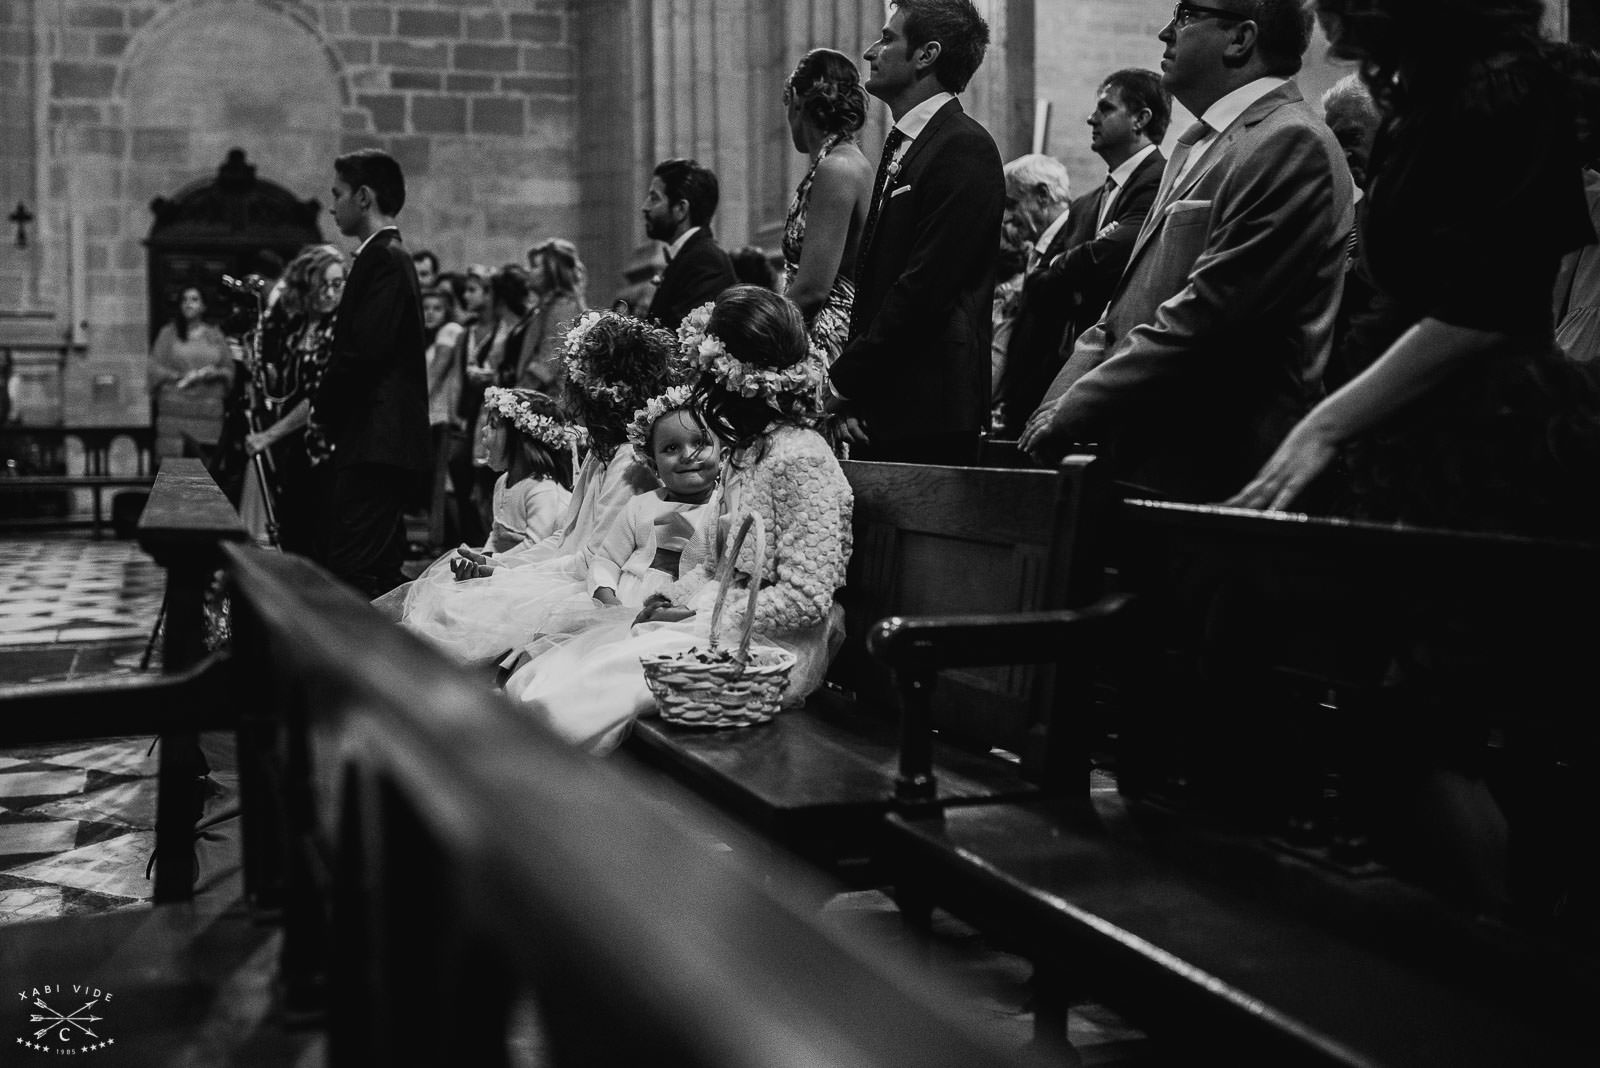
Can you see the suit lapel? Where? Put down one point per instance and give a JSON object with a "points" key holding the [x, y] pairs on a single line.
{"points": [[923, 139], [1219, 149]]}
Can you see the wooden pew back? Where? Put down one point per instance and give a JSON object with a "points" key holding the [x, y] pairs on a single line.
{"points": [[959, 541], [452, 868]]}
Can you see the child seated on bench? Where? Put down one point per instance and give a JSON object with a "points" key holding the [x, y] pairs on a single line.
{"points": [[464, 601], [640, 553], [531, 444], [759, 391]]}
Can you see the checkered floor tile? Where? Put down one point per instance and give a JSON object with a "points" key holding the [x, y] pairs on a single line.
{"points": [[76, 818], [68, 589]]}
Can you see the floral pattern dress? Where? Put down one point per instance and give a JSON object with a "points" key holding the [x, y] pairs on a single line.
{"points": [[831, 326]]}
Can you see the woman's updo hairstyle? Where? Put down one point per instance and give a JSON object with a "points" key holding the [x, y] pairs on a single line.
{"points": [[830, 92]]}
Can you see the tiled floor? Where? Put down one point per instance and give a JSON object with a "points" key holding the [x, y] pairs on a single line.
{"points": [[76, 818]]}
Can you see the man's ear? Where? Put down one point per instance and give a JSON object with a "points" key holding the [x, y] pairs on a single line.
{"points": [[1141, 119], [1242, 45], [365, 197], [927, 55]]}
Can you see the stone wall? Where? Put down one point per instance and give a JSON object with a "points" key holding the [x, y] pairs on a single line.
{"points": [[111, 103]]}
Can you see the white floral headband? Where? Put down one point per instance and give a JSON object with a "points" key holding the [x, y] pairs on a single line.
{"points": [[801, 381], [511, 408], [676, 399], [578, 370]]}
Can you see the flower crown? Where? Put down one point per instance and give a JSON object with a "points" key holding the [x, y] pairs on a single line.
{"points": [[795, 390], [514, 406], [596, 363], [675, 399]]}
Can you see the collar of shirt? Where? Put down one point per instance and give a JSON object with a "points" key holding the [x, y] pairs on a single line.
{"points": [[1043, 244], [1221, 115], [363, 246], [1126, 168], [913, 122], [682, 240]]}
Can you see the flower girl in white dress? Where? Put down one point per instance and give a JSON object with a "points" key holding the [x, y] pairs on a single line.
{"points": [[759, 387], [477, 605], [639, 555]]}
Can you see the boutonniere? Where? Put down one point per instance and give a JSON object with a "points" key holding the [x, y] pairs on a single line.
{"points": [[891, 174], [655, 279]]}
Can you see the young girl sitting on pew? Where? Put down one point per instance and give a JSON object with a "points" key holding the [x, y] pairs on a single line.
{"points": [[472, 603], [640, 553], [759, 387], [528, 441]]}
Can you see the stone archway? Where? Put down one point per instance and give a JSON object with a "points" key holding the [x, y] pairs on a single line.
{"points": [[218, 74]]}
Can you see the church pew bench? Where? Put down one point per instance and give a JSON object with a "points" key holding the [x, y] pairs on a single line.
{"points": [[449, 883], [35, 459], [957, 541], [1330, 667], [456, 878]]}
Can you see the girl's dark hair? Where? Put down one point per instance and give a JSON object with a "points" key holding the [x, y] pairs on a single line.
{"points": [[829, 89], [531, 458], [509, 286], [762, 329], [625, 356], [180, 325]]}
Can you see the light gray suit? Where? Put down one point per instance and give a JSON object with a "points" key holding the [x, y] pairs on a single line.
{"points": [[1215, 339]]}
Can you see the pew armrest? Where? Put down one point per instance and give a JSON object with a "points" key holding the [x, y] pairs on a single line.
{"points": [[195, 699], [917, 648], [929, 643]]}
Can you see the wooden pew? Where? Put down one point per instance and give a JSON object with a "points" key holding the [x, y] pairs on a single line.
{"points": [[448, 863], [39, 456], [450, 879], [1287, 922], [817, 780]]}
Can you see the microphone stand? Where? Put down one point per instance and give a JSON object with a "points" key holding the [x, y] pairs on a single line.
{"points": [[255, 394]]}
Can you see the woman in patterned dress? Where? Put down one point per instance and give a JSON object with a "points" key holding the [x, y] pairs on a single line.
{"points": [[826, 108]]}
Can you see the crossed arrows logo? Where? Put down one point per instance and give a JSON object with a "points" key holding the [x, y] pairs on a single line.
{"points": [[55, 1019]]}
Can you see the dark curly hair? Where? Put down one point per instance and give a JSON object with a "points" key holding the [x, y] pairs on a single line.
{"points": [[830, 92], [626, 362], [1412, 50], [763, 329]]}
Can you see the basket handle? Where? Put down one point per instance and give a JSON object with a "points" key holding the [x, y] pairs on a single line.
{"points": [[725, 579]]}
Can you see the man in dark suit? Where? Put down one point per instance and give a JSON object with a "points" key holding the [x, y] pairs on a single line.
{"points": [[912, 384], [1215, 339], [677, 211], [373, 399], [1066, 292]]}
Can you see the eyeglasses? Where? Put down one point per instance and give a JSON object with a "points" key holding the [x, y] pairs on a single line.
{"points": [[1184, 13]]}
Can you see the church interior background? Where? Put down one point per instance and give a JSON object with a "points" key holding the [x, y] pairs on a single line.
{"points": [[515, 120]]}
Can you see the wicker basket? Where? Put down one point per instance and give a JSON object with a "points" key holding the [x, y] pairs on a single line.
{"points": [[714, 687]]}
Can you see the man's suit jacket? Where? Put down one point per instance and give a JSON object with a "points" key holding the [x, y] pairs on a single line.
{"points": [[373, 399], [917, 362], [1066, 294], [695, 275], [1214, 341]]}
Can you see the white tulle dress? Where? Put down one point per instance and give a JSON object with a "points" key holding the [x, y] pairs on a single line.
{"points": [[475, 619], [588, 687]]}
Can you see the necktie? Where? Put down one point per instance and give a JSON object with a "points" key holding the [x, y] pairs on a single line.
{"points": [[1180, 155], [1170, 177], [895, 139], [1108, 194]]}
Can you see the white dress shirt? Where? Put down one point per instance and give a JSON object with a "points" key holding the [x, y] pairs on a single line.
{"points": [[1119, 178], [1224, 113]]}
